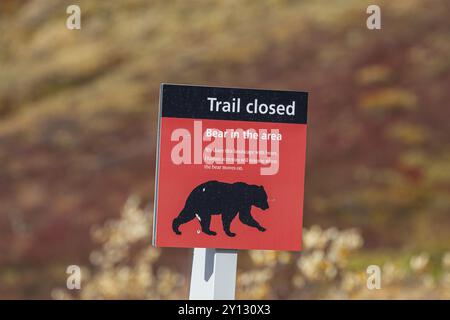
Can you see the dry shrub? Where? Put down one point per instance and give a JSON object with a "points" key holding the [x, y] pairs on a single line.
{"points": [[126, 266]]}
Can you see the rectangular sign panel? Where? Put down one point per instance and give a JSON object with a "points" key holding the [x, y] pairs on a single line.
{"points": [[230, 168]]}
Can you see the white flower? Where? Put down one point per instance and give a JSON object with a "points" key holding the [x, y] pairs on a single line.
{"points": [[446, 260], [419, 263]]}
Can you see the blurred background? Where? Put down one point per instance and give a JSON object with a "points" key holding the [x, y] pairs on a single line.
{"points": [[78, 116]]}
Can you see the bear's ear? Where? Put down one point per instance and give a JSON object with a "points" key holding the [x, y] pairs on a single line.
{"points": [[261, 187]]}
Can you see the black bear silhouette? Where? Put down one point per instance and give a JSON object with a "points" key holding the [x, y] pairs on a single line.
{"points": [[228, 199]]}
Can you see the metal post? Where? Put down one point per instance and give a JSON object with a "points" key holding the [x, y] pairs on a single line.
{"points": [[213, 274]]}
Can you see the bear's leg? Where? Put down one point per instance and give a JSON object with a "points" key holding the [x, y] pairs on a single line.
{"points": [[205, 221], [227, 218], [246, 218], [184, 216]]}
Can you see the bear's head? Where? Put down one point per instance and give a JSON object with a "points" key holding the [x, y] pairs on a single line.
{"points": [[260, 198]]}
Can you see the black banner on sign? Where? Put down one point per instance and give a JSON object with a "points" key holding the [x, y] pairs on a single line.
{"points": [[199, 102]]}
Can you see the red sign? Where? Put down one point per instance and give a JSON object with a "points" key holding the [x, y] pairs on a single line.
{"points": [[230, 168]]}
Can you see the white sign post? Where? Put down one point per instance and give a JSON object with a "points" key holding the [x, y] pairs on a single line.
{"points": [[213, 274]]}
